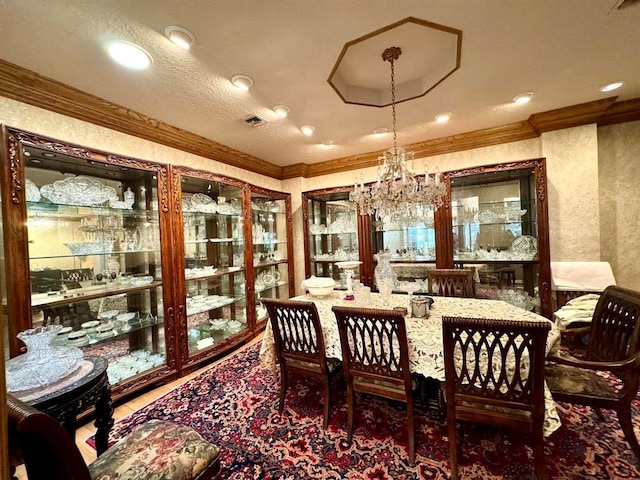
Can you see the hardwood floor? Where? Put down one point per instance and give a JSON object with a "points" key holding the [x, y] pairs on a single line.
{"points": [[131, 406]]}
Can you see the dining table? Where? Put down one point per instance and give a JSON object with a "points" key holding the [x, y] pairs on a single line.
{"points": [[424, 335]]}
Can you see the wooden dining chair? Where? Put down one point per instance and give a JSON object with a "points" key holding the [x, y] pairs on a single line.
{"points": [[494, 374], [450, 282], [155, 449], [375, 355], [608, 374], [299, 344]]}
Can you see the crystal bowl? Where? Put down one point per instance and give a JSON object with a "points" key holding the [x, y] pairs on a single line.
{"points": [[89, 248]]}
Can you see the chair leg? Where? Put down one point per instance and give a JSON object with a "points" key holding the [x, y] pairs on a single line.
{"points": [[325, 422], [453, 444], [411, 431], [350, 400], [283, 388], [624, 416], [538, 452]]}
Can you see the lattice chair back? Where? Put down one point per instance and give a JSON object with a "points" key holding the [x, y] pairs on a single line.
{"points": [[374, 343], [615, 326], [296, 331], [451, 282], [494, 373]]}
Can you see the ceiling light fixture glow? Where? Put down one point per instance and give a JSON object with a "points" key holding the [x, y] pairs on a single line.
{"points": [[380, 131], [307, 130], [129, 55], [243, 82], [180, 36], [327, 143], [443, 117], [281, 110], [611, 87], [523, 98]]}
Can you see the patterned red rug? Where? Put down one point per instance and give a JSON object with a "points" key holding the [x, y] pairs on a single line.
{"points": [[234, 405]]}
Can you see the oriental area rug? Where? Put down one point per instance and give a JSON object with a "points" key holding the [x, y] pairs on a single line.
{"points": [[234, 404]]}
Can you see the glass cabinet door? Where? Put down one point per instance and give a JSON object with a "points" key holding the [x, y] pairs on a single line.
{"points": [[412, 247], [270, 250], [495, 232], [332, 235], [214, 272], [95, 259]]}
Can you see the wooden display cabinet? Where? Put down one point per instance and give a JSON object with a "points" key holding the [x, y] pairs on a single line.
{"points": [[269, 232], [494, 220], [87, 239], [147, 265], [332, 234]]}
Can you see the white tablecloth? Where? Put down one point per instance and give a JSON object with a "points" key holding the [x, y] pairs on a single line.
{"points": [[424, 335]]}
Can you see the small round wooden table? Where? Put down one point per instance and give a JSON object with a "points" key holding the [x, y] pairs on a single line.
{"points": [[85, 388]]}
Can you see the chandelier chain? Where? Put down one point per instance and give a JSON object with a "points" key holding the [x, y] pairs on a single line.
{"points": [[393, 104]]}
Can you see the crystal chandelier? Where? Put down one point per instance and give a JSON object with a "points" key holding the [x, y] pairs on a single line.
{"points": [[398, 195]]}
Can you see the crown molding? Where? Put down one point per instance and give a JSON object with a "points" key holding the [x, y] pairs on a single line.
{"points": [[602, 112], [26, 86]]}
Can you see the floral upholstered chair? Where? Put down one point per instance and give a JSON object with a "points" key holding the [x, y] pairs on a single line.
{"points": [[157, 450]]}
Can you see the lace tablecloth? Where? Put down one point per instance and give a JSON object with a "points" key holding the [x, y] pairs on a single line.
{"points": [[424, 335]]}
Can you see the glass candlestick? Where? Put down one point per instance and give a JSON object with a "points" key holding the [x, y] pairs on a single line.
{"points": [[348, 268]]}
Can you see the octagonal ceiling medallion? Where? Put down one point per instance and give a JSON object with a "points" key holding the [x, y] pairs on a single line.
{"points": [[430, 53]]}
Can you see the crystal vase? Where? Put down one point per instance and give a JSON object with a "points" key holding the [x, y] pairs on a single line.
{"points": [[385, 276], [43, 363]]}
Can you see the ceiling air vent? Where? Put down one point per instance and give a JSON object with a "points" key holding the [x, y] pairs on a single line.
{"points": [[254, 121]]}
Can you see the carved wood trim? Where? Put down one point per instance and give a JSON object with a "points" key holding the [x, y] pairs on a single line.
{"points": [[163, 189], [177, 194], [15, 167], [213, 177], [306, 196]]}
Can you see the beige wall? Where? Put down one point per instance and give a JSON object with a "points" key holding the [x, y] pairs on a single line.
{"points": [[572, 182], [619, 180], [575, 199]]}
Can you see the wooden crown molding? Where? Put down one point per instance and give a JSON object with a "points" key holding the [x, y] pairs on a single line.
{"points": [[603, 112], [25, 86]]}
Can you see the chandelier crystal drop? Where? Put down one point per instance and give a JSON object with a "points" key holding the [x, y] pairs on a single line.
{"points": [[398, 195]]}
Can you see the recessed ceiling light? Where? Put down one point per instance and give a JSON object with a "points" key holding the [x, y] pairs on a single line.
{"points": [[523, 98], [611, 86], [48, 154], [327, 143], [307, 130], [180, 36], [281, 110], [443, 117], [243, 82], [129, 55], [35, 160], [380, 131]]}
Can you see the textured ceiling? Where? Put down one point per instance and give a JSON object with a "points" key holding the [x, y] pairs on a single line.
{"points": [[563, 50]]}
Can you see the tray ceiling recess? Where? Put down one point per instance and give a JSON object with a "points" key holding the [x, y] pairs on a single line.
{"points": [[430, 53]]}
